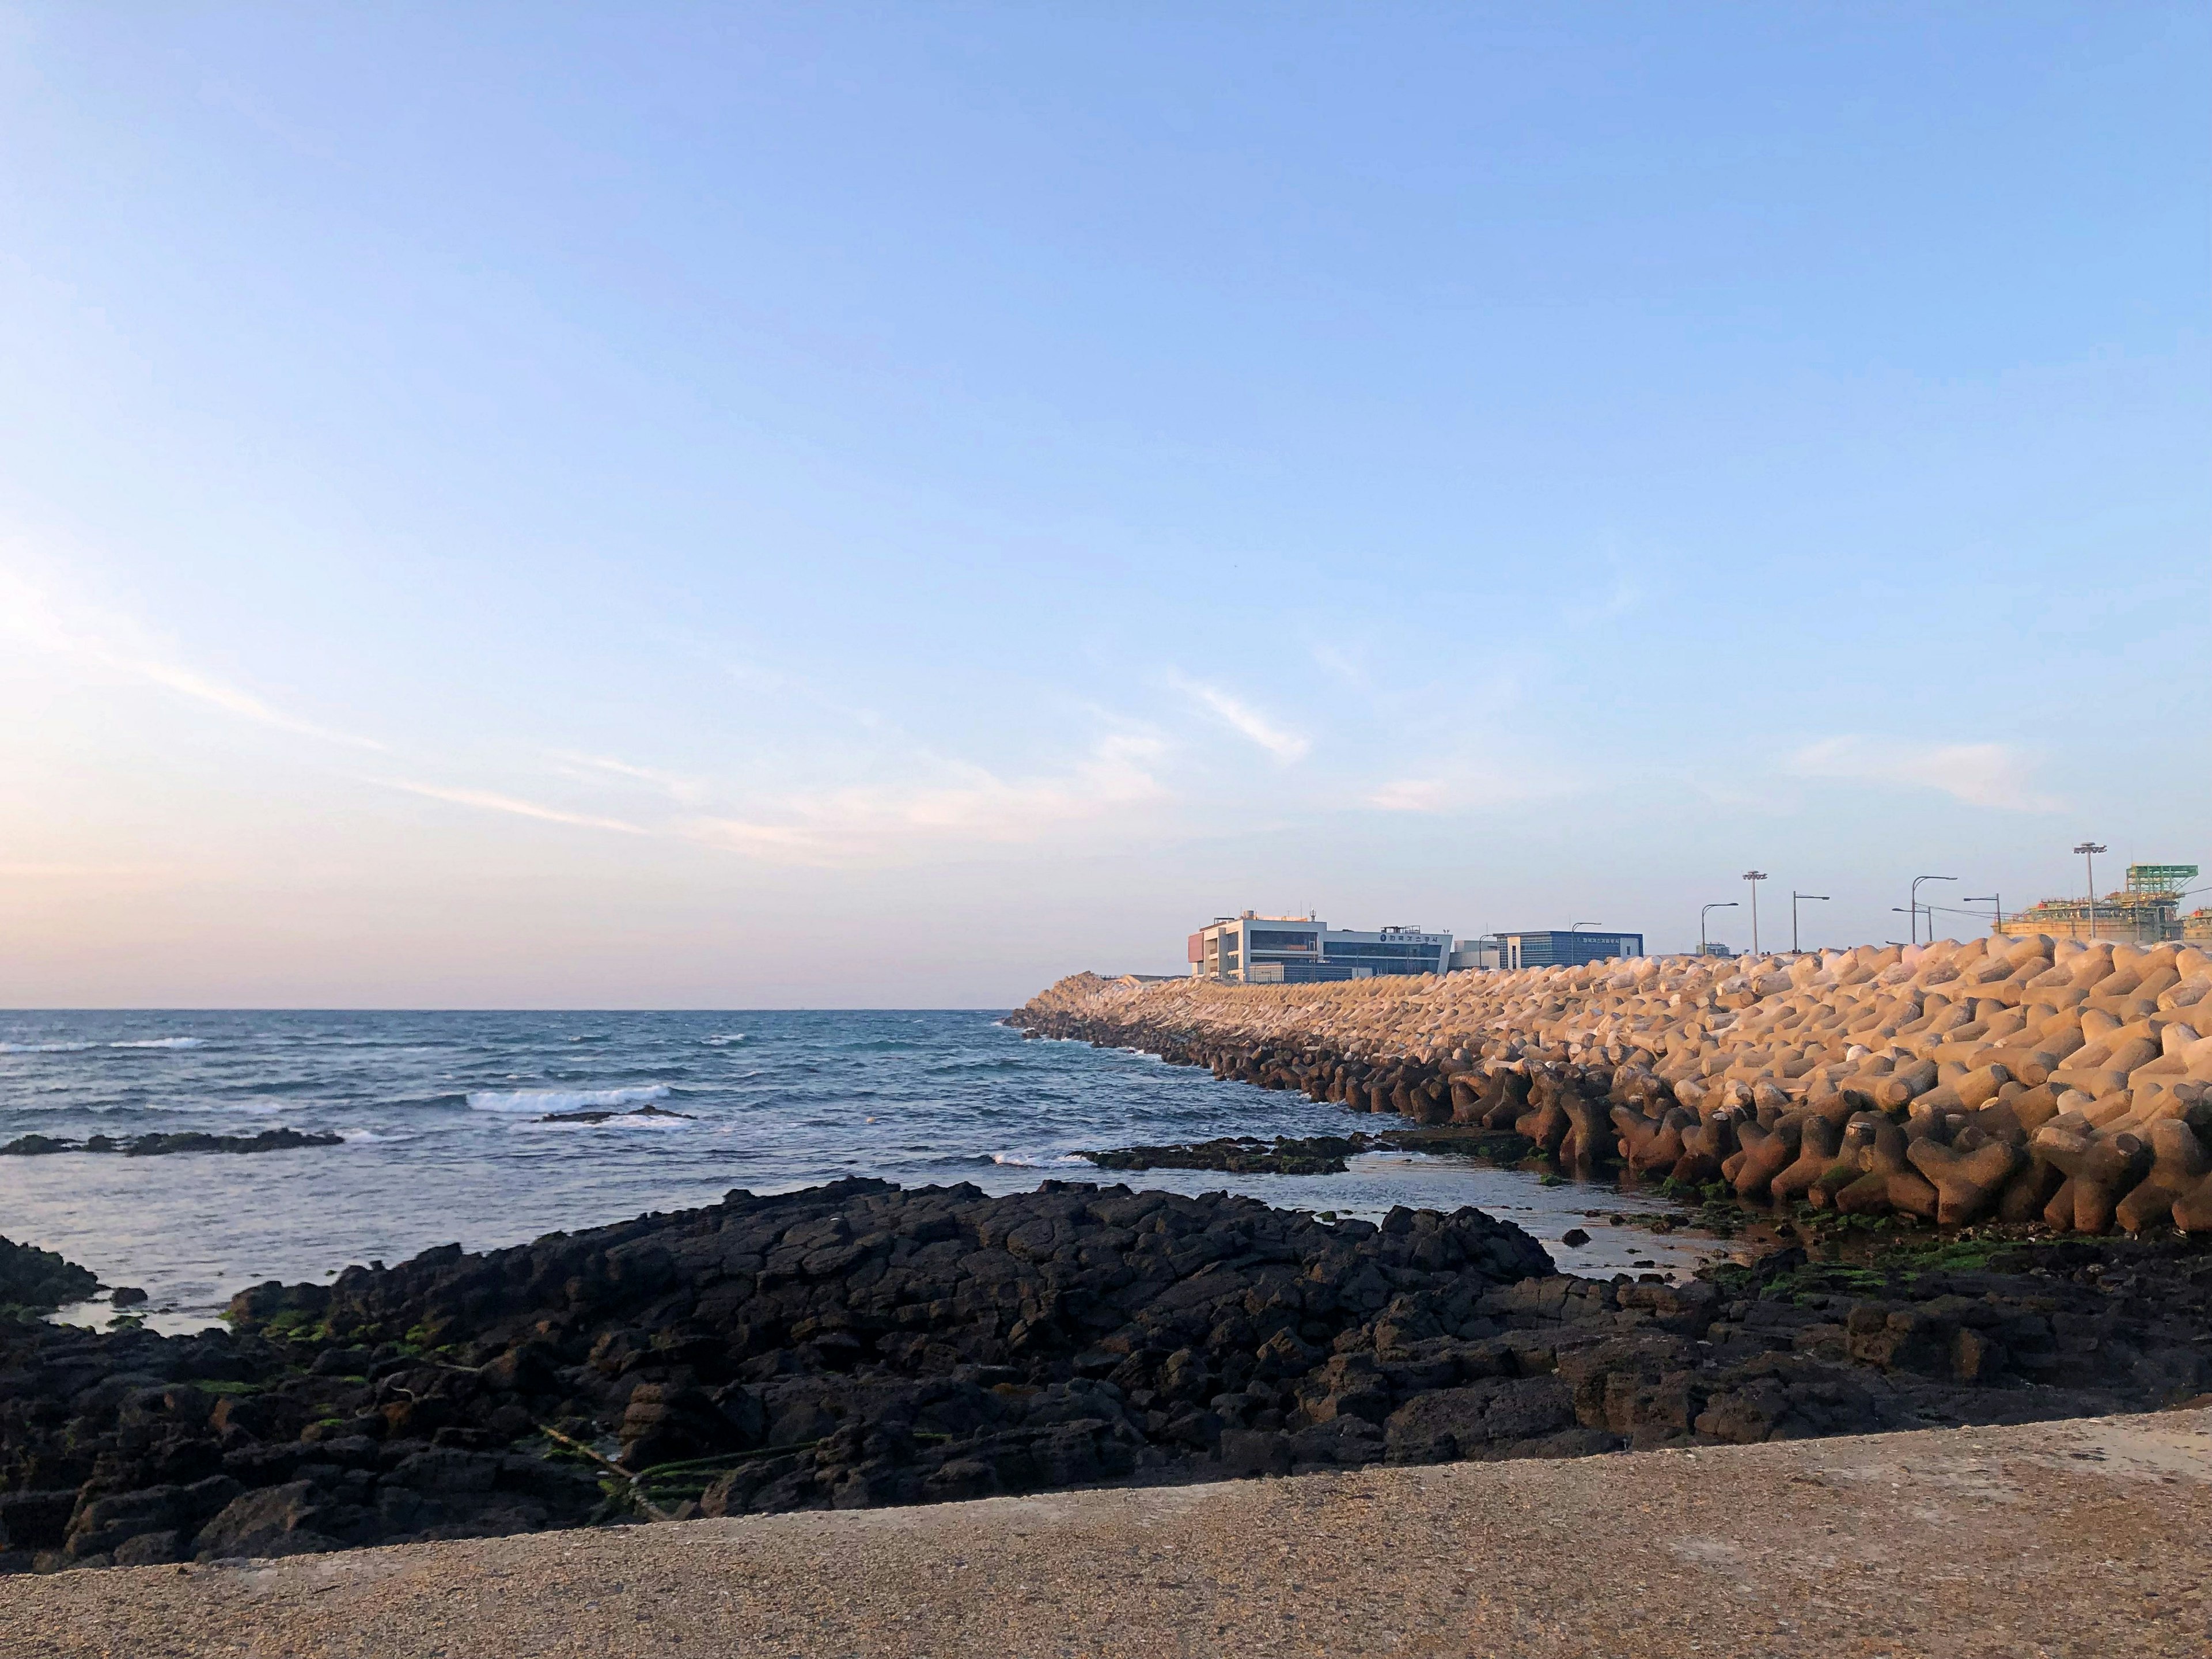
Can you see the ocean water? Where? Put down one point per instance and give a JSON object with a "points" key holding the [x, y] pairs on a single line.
{"points": [[444, 1137]]}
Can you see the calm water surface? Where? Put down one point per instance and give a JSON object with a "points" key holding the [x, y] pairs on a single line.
{"points": [[442, 1115]]}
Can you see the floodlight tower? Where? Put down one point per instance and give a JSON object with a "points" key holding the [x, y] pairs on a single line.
{"points": [[2088, 850]]}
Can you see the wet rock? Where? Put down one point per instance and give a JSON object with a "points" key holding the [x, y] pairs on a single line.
{"points": [[157, 1145], [33, 1281], [609, 1115], [1241, 1155]]}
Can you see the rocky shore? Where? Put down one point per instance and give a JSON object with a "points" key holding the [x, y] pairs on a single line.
{"points": [[2019, 1080], [857, 1345], [159, 1145]]}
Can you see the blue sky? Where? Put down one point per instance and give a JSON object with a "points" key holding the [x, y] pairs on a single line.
{"points": [[522, 506]]}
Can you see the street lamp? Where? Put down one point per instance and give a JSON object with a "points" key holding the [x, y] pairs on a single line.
{"points": [[1718, 905], [1754, 876], [2088, 850], [1794, 896], [1916, 880], [1997, 899]]}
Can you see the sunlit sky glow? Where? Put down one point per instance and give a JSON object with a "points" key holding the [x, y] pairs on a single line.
{"points": [[747, 506]]}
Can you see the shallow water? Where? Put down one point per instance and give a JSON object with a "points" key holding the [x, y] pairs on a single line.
{"points": [[441, 1113]]}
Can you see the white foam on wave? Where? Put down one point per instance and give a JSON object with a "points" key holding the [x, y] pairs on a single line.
{"points": [[43, 1048], [563, 1100], [1038, 1160], [162, 1042], [627, 1120], [723, 1039]]}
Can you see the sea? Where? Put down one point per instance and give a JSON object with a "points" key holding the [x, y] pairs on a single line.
{"points": [[447, 1138]]}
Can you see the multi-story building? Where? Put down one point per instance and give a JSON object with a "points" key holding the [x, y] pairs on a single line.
{"points": [[1258, 949]]}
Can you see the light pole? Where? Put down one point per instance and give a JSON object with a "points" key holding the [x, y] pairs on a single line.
{"points": [[1754, 876], [1718, 905], [1916, 880], [1997, 899], [1794, 896], [2088, 850]]}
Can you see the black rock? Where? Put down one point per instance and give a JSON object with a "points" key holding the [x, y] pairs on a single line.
{"points": [[33, 1281]]}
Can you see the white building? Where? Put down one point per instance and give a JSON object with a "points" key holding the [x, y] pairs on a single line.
{"points": [[1258, 949]]}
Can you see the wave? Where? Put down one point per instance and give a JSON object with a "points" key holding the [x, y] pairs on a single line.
{"points": [[162, 1042], [723, 1039], [563, 1100], [1039, 1160], [45, 1048]]}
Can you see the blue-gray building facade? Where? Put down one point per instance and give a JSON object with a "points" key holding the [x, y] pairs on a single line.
{"points": [[1256, 950]]}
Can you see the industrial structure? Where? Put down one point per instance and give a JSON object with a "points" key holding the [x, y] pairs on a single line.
{"points": [[1256, 950], [2147, 911]]}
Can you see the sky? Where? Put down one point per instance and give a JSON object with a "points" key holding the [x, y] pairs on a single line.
{"points": [[860, 505]]}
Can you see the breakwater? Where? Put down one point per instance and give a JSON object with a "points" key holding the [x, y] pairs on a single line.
{"points": [[2025, 1080]]}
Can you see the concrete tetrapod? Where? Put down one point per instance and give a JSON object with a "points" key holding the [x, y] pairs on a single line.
{"points": [[1889, 1181], [2098, 1168], [1680, 1066], [1968, 1175], [1766, 1154], [2179, 1163], [1820, 1142]]}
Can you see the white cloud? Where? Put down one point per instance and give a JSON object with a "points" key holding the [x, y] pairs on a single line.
{"points": [[1243, 718], [1470, 782], [485, 801], [874, 824], [598, 767], [1995, 774], [1415, 795], [113, 644]]}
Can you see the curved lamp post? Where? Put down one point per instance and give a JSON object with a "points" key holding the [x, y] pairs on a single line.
{"points": [[1916, 880], [1718, 905]]}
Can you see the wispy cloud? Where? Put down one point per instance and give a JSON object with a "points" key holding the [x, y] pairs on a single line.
{"points": [[109, 642], [1462, 787], [1415, 795], [1242, 718], [1995, 774], [486, 800], [873, 824], [600, 767], [65, 871]]}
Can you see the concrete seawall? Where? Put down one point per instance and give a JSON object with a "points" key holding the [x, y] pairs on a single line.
{"points": [[2081, 1538]]}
